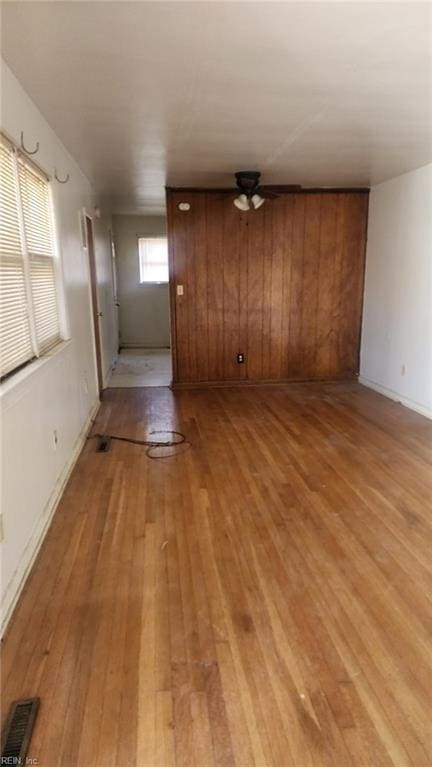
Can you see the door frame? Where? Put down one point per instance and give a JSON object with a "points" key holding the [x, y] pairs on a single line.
{"points": [[114, 275], [172, 285], [96, 313]]}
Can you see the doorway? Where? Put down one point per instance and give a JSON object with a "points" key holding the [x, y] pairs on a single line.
{"points": [[144, 311], [142, 367], [89, 238]]}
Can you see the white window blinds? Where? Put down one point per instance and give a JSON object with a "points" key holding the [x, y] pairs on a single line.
{"points": [[15, 335], [36, 207], [29, 322]]}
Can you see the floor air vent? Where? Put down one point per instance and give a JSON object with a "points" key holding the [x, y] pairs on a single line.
{"points": [[18, 731]]}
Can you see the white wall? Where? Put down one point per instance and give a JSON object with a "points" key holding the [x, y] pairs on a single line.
{"points": [[58, 392], [144, 309], [396, 348]]}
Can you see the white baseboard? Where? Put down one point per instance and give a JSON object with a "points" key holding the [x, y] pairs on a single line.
{"points": [[394, 395], [144, 346], [16, 584]]}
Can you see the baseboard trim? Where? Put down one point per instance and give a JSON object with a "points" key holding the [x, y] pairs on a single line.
{"points": [[17, 583], [147, 347], [265, 382], [394, 395]]}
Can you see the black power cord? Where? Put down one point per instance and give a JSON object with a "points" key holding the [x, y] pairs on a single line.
{"points": [[151, 445]]}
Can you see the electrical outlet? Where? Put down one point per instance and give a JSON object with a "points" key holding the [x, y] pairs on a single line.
{"points": [[240, 358], [85, 385], [55, 438], [403, 370]]}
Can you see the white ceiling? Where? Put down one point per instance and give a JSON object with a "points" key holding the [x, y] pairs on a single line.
{"points": [[145, 94]]}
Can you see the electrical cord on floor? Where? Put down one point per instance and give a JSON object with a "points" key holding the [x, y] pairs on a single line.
{"points": [[151, 445]]}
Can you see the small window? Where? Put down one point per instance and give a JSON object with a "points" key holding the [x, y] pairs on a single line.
{"points": [[153, 259], [29, 318]]}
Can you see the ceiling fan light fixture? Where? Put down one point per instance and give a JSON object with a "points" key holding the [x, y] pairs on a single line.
{"points": [[257, 201], [241, 202]]}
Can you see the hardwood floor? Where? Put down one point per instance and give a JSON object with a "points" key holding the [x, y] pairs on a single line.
{"points": [[262, 599]]}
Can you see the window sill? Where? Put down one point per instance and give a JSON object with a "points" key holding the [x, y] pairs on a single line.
{"points": [[153, 284], [21, 376]]}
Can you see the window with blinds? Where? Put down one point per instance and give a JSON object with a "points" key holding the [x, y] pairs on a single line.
{"points": [[29, 318]]}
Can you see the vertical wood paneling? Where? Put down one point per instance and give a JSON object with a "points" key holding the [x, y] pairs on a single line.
{"points": [[295, 302], [192, 223], [242, 346], [352, 279], [200, 332], [326, 293], [267, 294], [256, 296], [282, 284], [231, 283], [277, 228], [310, 287], [337, 304], [215, 287], [284, 233]]}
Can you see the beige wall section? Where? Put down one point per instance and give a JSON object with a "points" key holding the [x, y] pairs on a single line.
{"points": [[144, 309], [47, 406], [396, 348]]}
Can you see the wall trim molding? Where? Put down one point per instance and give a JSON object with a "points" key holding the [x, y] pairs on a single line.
{"points": [[277, 188], [143, 345], [16, 584], [394, 395], [259, 382]]}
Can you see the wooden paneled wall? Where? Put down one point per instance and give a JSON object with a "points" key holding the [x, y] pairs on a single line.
{"points": [[282, 284]]}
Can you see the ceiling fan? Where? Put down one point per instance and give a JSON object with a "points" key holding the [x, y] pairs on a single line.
{"points": [[248, 183]]}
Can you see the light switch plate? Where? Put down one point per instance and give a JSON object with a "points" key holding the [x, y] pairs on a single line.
{"points": [[179, 290]]}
